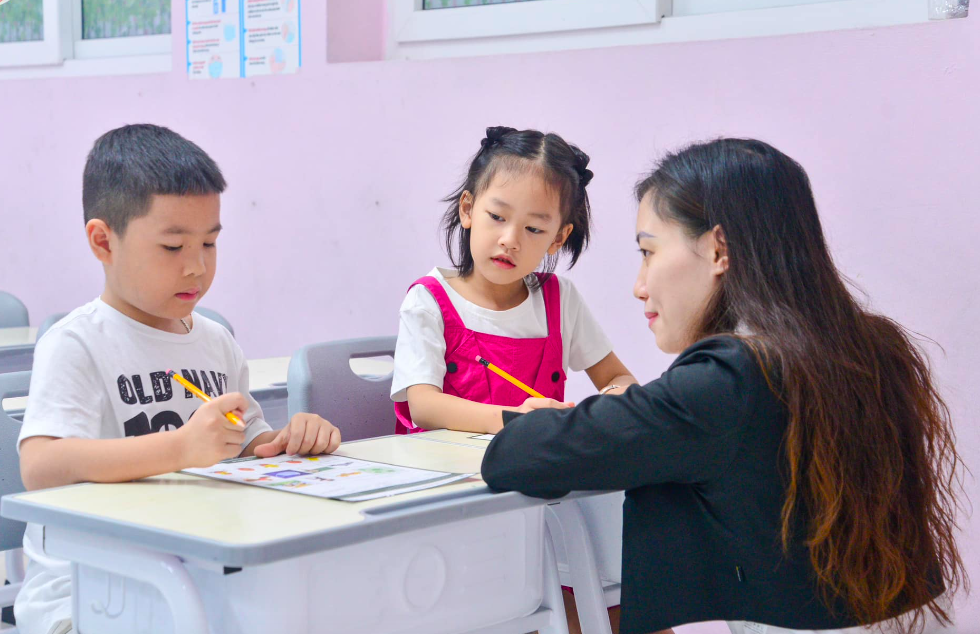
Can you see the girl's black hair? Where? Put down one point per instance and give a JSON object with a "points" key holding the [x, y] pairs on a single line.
{"points": [[562, 165]]}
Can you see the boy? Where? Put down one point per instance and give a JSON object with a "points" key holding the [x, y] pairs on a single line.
{"points": [[100, 388]]}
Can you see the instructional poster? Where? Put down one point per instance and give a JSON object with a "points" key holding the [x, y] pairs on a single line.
{"points": [[328, 476], [243, 38]]}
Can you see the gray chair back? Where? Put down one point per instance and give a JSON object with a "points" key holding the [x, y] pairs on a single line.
{"points": [[47, 323], [214, 315], [320, 381], [12, 385], [13, 313]]}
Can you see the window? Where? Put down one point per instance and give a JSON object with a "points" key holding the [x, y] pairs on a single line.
{"points": [[448, 4], [29, 32], [51, 37], [104, 28], [22, 22], [420, 29]]}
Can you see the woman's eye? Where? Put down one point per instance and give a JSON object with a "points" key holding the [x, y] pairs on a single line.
{"points": [[644, 253], [172, 249], [209, 245]]}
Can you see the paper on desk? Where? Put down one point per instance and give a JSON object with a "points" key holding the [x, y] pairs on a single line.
{"points": [[327, 476]]}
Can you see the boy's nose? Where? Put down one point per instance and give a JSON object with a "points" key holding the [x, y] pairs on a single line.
{"points": [[195, 266]]}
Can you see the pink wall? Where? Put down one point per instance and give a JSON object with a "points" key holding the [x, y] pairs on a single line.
{"points": [[335, 176]]}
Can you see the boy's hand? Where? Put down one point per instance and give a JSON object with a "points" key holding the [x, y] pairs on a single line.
{"points": [[306, 434], [534, 403], [208, 437]]}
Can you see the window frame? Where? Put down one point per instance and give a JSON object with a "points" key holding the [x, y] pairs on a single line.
{"points": [[47, 50], [412, 35], [63, 52]]}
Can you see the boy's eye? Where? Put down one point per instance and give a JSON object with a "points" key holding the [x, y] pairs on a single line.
{"points": [[172, 249], [495, 217], [535, 230]]}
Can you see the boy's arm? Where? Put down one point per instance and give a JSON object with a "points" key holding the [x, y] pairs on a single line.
{"points": [[50, 462], [206, 439], [432, 409]]}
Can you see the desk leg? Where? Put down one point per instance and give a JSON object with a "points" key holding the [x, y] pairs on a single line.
{"points": [[166, 573], [552, 590], [583, 570]]}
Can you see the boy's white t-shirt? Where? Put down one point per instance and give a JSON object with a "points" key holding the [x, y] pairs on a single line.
{"points": [[99, 374], [420, 352]]}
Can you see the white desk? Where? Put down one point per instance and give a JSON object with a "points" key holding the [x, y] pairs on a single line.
{"points": [[175, 553], [17, 336], [16, 349]]}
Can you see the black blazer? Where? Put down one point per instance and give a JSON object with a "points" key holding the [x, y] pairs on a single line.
{"points": [[698, 453]]}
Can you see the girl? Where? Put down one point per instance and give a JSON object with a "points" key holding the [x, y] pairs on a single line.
{"points": [[794, 469], [523, 203]]}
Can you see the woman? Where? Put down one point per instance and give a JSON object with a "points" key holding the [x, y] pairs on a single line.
{"points": [[794, 468]]}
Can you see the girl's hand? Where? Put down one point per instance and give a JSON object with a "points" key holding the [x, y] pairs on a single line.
{"points": [[533, 403]]}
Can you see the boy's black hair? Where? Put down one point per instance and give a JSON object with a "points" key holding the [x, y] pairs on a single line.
{"points": [[129, 165], [562, 165]]}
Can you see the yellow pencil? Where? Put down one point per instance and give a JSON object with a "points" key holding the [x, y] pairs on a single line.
{"points": [[201, 395], [508, 377]]}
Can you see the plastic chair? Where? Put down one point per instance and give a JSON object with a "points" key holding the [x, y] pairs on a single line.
{"points": [[214, 315], [13, 313], [12, 385], [320, 381], [47, 323]]}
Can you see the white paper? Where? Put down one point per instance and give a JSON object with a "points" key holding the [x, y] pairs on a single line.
{"points": [[484, 436], [328, 476]]}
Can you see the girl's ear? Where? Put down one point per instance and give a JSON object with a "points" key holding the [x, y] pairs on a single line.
{"points": [[563, 234], [466, 210], [720, 250]]}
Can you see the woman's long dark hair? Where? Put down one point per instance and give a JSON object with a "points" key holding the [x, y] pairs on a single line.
{"points": [[871, 467]]}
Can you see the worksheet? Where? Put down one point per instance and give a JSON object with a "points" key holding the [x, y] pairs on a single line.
{"points": [[328, 476]]}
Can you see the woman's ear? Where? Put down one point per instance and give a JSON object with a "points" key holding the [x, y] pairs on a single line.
{"points": [[720, 251], [98, 233], [560, 238], [466, 210]]}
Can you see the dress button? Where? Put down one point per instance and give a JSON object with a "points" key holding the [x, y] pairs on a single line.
{"points": [[451, 367], [555, 376]]}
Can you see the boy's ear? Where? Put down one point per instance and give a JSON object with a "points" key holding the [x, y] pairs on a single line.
{"points": [[466, 210], [563, 234], [98, 233]]}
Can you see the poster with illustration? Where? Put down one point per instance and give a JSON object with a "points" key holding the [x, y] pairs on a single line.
{"points": [[242, 38], [328, 476]]}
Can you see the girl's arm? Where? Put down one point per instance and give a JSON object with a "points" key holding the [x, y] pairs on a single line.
{"points": [[431, 409], [611, 371]]}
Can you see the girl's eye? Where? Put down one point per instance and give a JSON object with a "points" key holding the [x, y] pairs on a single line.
{"points": [[208, 245], [495, 217], [535, 230], [172, 249], [644, 253]]}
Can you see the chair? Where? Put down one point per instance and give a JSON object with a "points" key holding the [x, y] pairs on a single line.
{"points": [[320, 381], [12, 385], [13, 313], [47, 323], [214, 315]]}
